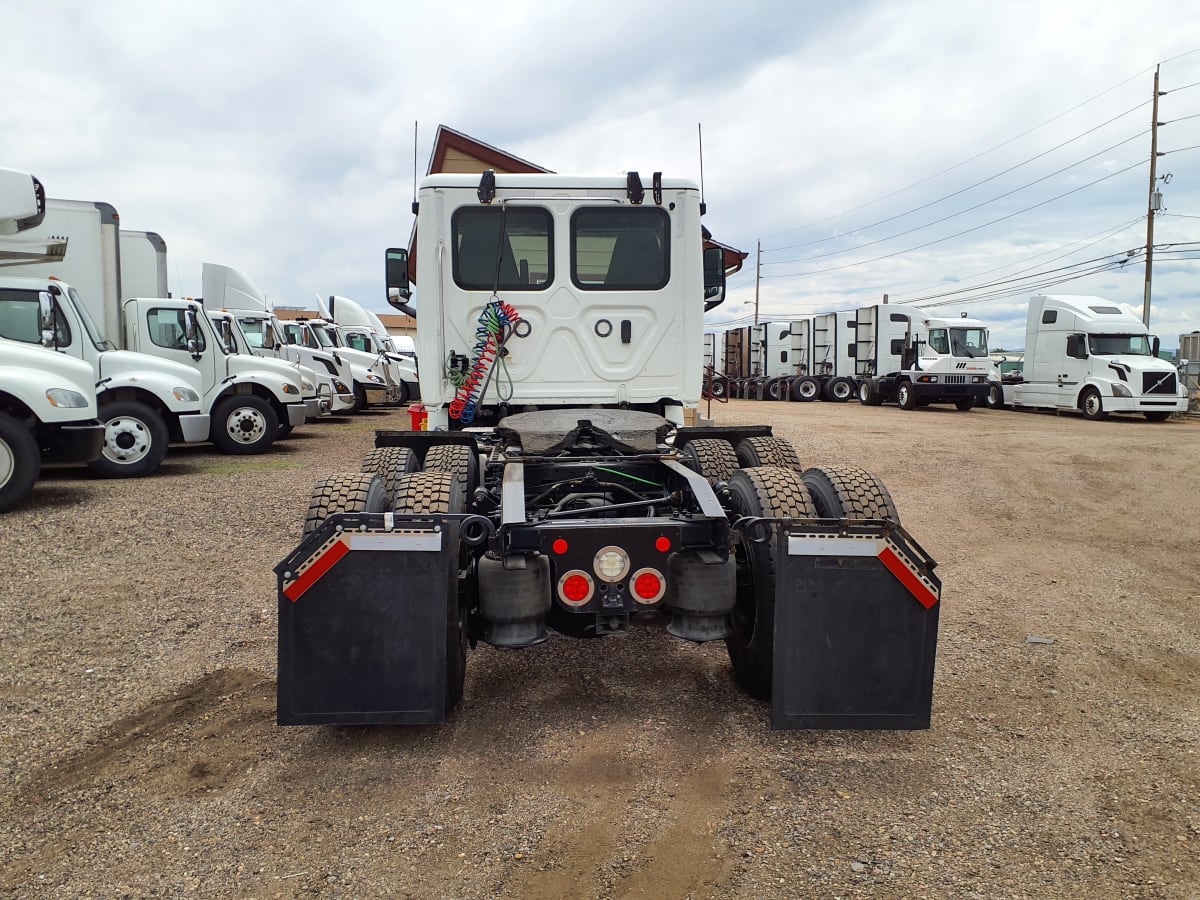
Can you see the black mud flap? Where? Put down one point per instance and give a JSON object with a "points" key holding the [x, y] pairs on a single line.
{"points": [[856, 618], [365, 604]]}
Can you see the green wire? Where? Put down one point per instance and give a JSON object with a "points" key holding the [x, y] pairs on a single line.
{"points": [[627, 475]]}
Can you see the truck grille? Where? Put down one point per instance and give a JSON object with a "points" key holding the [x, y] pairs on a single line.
{"points": [[954, 379], [1159, 383]]}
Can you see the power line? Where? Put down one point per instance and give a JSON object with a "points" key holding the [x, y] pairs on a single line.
{"points": [[1107, 259], [961, 211], [1098, 237], [965, 161], [961, 233], [978, 183]]}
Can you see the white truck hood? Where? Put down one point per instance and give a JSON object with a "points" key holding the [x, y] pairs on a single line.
{"points": [[116, 363]]}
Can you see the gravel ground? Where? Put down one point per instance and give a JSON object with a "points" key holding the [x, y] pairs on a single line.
{"points": [[141, 757]]}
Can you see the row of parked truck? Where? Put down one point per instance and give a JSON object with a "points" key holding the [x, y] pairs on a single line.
{"points": [[1081, 353], [99, 365]]}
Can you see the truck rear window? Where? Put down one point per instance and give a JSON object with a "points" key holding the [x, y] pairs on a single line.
{"points": [[521, 258], [615, 249]]}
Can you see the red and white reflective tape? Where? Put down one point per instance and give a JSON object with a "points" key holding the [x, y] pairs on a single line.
{"points": [[898, 563], [327, 556]]}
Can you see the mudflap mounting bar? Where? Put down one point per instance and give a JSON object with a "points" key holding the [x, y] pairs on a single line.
{"points": [[856, 620], [368, 609]]}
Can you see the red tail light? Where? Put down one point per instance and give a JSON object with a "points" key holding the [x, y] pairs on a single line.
{"points": [[648, 586], [576, 587]]}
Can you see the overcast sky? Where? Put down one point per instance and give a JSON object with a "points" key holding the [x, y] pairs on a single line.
{"points": [[278, 138]]}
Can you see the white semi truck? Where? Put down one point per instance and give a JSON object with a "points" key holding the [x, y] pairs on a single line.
{"points": [[1090, 354], [144, 402], [361, 330], [904, 356], [231, 291], [559, 489], [371, 372]]}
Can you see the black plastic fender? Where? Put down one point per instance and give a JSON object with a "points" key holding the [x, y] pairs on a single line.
{"points": [[856, 619], [366, 604]]}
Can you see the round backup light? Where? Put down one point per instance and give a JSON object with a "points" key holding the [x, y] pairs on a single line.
{"points": [[663, 544], [576, 587], [648, 586], [559, 546], [611, 564]]}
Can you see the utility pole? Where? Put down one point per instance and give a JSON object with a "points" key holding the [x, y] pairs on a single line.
{"points": [[757, 278], [1150, 203]]}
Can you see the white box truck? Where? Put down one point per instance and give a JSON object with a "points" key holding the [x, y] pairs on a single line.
{"points": [[235, 400], [144, 402], [1089, 354], [47, 400]]}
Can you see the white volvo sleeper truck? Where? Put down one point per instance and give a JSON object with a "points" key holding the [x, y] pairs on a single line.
{"points": [[1090, 354], [559, 491]]}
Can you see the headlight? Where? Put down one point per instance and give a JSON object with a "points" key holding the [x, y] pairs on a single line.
{"points": [[340, 386], [1119, 390], [371, 376], [308, 386], [65, 399], [290, 388], [928, 379], [185, 395], [978, 379]]}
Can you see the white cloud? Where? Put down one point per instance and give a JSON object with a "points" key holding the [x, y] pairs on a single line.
{"points": [[279, 138]]}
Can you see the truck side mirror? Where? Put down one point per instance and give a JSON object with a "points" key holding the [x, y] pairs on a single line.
{"points": [[1076, 346], [1154, 345], [46, 319], [714, 277], [191, 331]]}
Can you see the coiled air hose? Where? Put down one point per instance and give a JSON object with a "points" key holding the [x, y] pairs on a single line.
{"points": [[495, 327]]}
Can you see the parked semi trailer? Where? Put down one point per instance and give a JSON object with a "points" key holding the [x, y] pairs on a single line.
{"points": [[1090, 354], [558, 489]]}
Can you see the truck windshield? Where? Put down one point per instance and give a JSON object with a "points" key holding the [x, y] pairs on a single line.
{"points": [[969, 341], [325, 337], [89, 326], [257, 332], [356, 341], [1118, 345]]}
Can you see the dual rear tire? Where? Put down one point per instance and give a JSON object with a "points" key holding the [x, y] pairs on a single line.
{"points": [[829, 492]]}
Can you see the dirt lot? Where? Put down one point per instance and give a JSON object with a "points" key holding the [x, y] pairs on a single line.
{"points": [[140, 754]]}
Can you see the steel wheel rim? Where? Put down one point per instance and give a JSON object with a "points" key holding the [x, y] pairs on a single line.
{"points": [[902, 394], [808, 389], [1091, 403], [134, 431], [8, 463], [246, 425], [841, 390]]}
